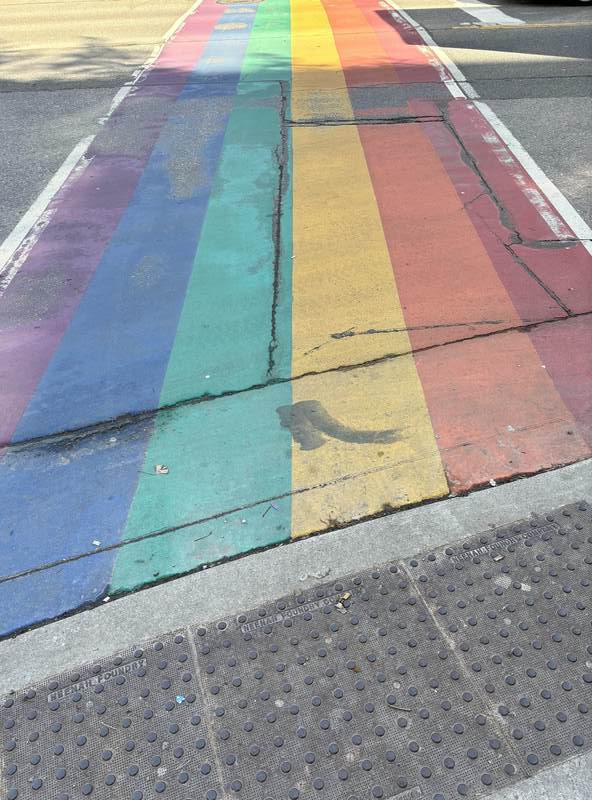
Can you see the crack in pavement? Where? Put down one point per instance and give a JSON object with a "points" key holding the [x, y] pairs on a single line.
{"points": [[121, 422], [507, 220], [318, 123], [199, 521], [328, 525], [282, 155], [374, 331]]}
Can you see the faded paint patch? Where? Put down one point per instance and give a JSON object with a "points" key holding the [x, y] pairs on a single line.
{"points": [[189, 164], [132, 125]]}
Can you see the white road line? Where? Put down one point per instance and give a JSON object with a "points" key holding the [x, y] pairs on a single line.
{"points": [[556, 198], [440, 59], [458, 86], [25, 234], [35, 219], [488, 15]]}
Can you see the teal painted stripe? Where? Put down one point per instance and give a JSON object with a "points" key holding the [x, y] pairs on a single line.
{"points": [[230, 453], [222, 455], [223, 335]]}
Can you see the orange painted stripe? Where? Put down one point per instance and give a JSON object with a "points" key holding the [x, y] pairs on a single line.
{"points": [[442, 269], [496, 411], [404, 47], [363, 58], [494, 408]]}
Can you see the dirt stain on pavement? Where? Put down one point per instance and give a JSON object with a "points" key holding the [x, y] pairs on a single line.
{"points": [[311, 425]]}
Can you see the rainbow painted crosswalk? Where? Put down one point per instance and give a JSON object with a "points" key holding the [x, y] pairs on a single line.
{"points": [[293, 284]]}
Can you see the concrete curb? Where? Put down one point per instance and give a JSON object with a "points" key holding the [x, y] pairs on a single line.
{"points": [[259, 578]]}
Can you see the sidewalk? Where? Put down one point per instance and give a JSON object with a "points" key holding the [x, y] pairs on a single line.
{"points": [[463, 729]]}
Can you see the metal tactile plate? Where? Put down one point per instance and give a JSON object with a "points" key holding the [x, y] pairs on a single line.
{"points": [[449, 675]]}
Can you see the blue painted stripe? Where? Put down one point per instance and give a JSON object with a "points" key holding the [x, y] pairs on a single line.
{"points": [[57, 500], [113, 357]]}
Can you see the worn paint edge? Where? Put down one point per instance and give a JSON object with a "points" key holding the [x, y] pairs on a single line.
{"points": [[33, 222], [556, 198]]}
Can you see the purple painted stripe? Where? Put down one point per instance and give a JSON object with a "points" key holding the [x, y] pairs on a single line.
{"points": [[38, 305]]}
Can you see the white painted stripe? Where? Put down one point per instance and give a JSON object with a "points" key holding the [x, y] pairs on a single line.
{"points": [[553, 199], [451, 75], [19, 242], [488, 15], [32, 219]]}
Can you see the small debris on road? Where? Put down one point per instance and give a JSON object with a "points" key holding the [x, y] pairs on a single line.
{"points": [[340, 603], [322, 573]]}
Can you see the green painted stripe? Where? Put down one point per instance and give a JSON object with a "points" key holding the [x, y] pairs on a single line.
{"points": [[270, 56], [232, 452], [222, 341], [223, 455]]}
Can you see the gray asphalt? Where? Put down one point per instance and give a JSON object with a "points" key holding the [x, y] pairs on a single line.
{"points": [[37, 130]]}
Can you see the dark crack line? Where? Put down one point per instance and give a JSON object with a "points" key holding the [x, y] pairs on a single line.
{"points": [[386, 510], [373, 331], [261, 502], [521, 263], [505, 217], [123, 421], [506, 220], [200, 521], [282, 154], [319, 123]]}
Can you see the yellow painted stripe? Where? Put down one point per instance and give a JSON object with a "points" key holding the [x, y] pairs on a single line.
{"points": [[343, 280], [318, 84], [340, 481]]}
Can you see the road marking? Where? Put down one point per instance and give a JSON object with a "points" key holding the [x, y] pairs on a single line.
{"points": [[557, 199], [343, 277], [452, 81], [523, 25], [19, 242], [489, 15], [35, 218], [450, 75]]}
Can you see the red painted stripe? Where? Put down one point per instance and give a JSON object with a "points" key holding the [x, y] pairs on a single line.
{"points": [[567, 272], [363, 59], [566, 351], [529, 298], [495, 410], [494, 407], [401, 43], [443, 272], [373, 49]]}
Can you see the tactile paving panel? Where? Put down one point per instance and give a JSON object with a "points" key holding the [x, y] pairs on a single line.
{"points": [[451, 674]]}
